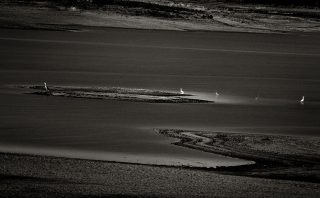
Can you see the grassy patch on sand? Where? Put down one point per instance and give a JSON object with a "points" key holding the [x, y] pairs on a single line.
{"points": [[276, 156], [116, 93]]}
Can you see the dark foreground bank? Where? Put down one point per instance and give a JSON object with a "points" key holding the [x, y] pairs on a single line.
{"points": [[41, 176]]}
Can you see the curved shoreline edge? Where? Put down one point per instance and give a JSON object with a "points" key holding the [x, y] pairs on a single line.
{"points": [[42, 176], [287, 164], [276, 156]]}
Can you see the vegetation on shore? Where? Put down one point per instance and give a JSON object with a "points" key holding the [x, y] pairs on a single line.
{"points": [[182, 3], [212, 15], [289, 3], [276, 156], [117, 93]]}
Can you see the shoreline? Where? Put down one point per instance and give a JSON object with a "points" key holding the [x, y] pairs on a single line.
{"points": [[155, 16], [268, 165], [40, 176], [218, 169], [275, 156], [116, 93]]}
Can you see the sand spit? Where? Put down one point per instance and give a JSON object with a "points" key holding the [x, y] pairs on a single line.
{"points": [[116, 93], [276, 156]]}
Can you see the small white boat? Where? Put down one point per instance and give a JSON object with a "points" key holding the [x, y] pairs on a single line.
{"points": [[181, 91], [302, 100], [45, 86]]}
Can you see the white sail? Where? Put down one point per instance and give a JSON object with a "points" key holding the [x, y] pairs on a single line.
{"points": [[181, 91], [302, 100], [45, 86]]}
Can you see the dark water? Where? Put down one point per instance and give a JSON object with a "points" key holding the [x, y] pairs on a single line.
{"points": [[280, 69]]}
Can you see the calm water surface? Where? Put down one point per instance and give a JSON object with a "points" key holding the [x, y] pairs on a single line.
{"points": [[280, 69]]}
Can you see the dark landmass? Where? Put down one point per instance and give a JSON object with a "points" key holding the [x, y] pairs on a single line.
{"points": [[276, 156], [44, 176], [116, 93], [288, 3], [212, 15]]}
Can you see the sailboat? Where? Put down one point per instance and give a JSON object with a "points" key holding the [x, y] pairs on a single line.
{"points": [[302, 100], [48, 92], [45, 86], [181, 91]]}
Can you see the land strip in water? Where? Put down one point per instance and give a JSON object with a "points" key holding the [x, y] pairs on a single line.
{"points": [[116, 93], [276, 156]]}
